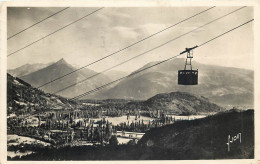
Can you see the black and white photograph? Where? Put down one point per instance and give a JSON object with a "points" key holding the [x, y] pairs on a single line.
{"points": [[129, 83]]}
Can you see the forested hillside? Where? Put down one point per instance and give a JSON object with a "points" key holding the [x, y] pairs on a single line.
{"points": [[176, 102], [23, 98]]}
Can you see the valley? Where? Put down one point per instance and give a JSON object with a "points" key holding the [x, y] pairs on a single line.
{"points": [[61, 122]]}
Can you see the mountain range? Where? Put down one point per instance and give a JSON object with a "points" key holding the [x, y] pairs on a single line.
{"points": [[23, 98], [114, 74], [27, 69], [222, 85], [59, 69]]}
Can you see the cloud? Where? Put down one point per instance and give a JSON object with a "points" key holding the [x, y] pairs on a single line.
{"points": [[112, 29], [151, 28], [113, 17], [126, 32]]}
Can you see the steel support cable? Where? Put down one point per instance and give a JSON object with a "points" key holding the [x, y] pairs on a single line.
{"points": [[124, 48], [54, 32], [225, 33], [74, 84], [37, 23], [97, 89]]}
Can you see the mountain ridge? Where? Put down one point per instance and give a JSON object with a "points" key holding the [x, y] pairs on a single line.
{"points": [[215, 82], [222, 85], [60, 69], [27, 69]]}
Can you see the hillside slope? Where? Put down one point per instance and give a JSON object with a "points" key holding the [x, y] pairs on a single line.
{"points": [[180, 103], [204, 138], [22, 98], [114, 74]]}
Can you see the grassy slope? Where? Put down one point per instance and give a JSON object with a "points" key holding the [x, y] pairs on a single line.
{"points": [[205, 138]]}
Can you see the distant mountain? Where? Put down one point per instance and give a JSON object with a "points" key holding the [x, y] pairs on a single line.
{"points": [[114, 74], [27, 69], [23, 98], [204, 138], [176, 102], [61, 68], [222, 85]]}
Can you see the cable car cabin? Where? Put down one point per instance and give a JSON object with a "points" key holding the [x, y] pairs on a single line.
{"points": [[188, 77]]}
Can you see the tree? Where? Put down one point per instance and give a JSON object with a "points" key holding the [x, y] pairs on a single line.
{"points": [[131, 142], [108, 131], [97, 134], [113, 141]]}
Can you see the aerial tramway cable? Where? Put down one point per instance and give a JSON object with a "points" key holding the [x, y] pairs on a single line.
{"points": [[37, 23], [54, 32], [101, 87], [127, 47], [74, 84]]}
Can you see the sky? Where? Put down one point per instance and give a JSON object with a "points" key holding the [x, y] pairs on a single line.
{"points": [[112, 29]]}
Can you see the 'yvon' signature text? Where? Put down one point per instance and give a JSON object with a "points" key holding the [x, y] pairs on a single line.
{"points": [[232, 139]]}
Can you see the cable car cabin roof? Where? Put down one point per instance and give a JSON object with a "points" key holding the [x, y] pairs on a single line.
{"points": [[188, 77], [188, 71]]}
